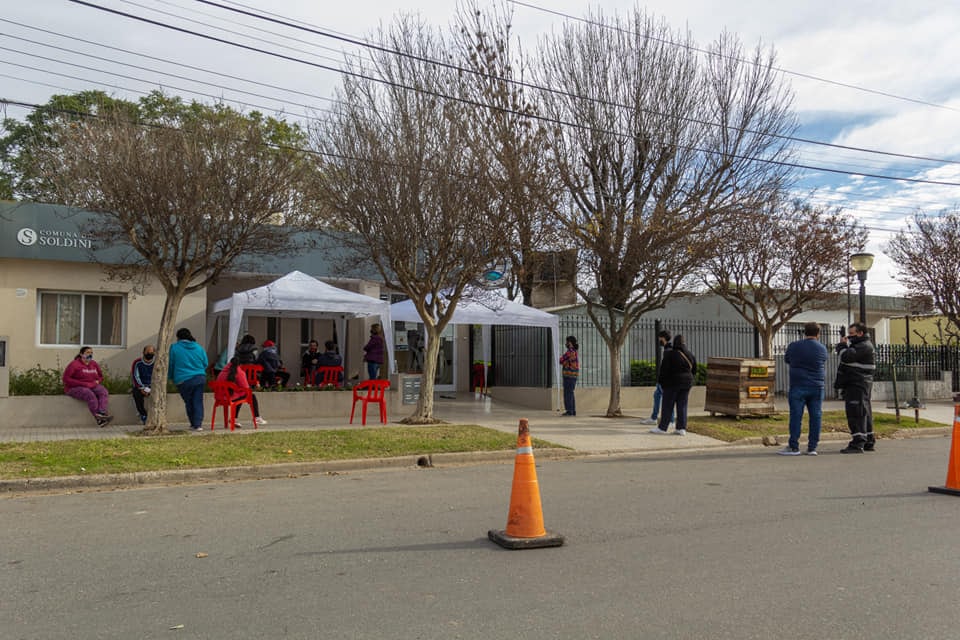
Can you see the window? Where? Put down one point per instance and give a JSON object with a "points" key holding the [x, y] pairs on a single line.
{"points": [[81, 319]]}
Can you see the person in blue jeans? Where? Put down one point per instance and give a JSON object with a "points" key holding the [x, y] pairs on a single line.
{"points": [[188, 370], [807, 359], [663, 338]]}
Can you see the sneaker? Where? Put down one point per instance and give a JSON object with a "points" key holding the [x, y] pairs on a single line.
{"points": [[851, 449], [196, 429], [680, 432], [237, 424], [810, 452], [869, 447], [143, 420], [787, 451], [658, 431], [261, 421], [103, 421], [649, 421]]}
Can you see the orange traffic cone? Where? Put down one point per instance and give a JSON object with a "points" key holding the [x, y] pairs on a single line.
{"points": [[525, 519], [953, 466]]}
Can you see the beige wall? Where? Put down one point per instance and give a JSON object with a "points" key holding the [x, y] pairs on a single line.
{"points": [[20, 280]]}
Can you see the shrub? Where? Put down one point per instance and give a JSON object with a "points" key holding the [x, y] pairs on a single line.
{"points": [[643, 373], [49, 382], [36, 382]]}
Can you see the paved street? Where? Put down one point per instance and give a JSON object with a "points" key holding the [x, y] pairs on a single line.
{"points": [[723, 543]]}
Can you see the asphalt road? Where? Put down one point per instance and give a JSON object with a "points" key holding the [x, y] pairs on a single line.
{"points": [[719, 544]]}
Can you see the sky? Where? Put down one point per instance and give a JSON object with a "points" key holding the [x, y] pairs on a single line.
{"points": [[877, 76]]}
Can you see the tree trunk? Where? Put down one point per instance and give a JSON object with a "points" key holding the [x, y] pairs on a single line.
{"points": [[613, 409], [766, 343], [423, 414], [157, 412]]}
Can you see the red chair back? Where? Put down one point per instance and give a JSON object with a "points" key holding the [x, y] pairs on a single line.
{"points": [[252, 371], [370, 391], [228, 395], [329, 375]]}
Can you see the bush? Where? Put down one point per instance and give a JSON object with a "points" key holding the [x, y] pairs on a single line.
{"points": [[643, 373], [49, 382]]}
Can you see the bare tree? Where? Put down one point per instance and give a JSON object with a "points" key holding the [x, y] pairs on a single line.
{"points": [[528, 188], [404, 172], [653, 146], [926, 253], [783, 259], [191, 190]]}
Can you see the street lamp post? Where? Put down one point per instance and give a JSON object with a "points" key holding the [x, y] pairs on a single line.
{"points": [[861, 263]]}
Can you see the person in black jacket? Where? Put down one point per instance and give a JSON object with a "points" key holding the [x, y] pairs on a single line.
{"points": [[855, 378], [676, 379], [247, 352]]}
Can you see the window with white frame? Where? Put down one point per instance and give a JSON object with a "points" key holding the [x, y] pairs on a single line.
{"points": [[71, 318]]}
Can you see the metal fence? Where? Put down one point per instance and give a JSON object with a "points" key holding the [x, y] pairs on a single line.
{"points": [[519, 352]]}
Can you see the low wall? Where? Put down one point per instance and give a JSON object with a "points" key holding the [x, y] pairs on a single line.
{"points": [[589, 399], [54, 411], [941, 389]]}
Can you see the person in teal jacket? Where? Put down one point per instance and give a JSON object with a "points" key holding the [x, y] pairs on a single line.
{"points": [[188, 370]]}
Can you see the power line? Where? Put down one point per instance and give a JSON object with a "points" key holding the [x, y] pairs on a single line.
{"points": [[528, 85], [474, 103], [780, 69]]}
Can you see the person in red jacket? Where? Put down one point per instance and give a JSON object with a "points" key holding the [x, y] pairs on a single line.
{"points": [[83, 380]]}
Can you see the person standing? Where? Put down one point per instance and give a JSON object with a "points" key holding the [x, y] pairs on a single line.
{"points": [[374, 350], [188, 370], [807, 359], [83, 380], [855, 378], [676, 378], [141, 374], [663, 338], [570, 364]]}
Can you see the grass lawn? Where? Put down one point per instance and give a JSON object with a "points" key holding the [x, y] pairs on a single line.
{"points": [[223, 449], [731, 429]]}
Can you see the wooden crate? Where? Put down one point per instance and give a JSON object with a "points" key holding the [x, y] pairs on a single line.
{"points": [[740, 386]]}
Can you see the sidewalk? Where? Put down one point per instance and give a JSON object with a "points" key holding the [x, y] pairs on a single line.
{"points": [[584, 433]]}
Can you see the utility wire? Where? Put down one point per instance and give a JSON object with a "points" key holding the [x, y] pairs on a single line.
{"points": [[780, 69], [528, 85]]}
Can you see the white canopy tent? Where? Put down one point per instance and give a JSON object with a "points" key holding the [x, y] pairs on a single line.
{"points": [[300, 295], [487, 308]]}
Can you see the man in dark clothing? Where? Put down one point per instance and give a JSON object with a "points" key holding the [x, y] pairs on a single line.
{"points": [[806, 358], [855, 378]]}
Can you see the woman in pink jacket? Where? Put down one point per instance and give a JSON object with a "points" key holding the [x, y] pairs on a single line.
{"points": [[83, 380]]}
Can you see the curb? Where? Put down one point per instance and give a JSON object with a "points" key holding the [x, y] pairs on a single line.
{"points": [[110, 481]]}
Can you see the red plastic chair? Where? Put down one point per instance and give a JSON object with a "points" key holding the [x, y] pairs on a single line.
{"points": [[329, 375], [228, 395], [309, 377], [252, 371], [375, 393]]}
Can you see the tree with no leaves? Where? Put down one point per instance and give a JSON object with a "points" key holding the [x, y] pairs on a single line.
{"points": [[515, 140], [929, 260], [653, 146], [783, 259], [405, 173], [193, 190]]}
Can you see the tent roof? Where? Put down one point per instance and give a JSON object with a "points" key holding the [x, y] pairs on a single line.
{"points": [[301, 295], [483, 308]]}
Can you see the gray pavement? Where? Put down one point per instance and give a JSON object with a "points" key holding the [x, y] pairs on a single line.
{"points": [[585, 433]]}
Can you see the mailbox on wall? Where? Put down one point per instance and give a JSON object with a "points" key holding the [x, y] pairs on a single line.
{"points": [[4, 370]]}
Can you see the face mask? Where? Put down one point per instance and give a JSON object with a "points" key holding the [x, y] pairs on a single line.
{"points": [[148, 357], [88, 356]]}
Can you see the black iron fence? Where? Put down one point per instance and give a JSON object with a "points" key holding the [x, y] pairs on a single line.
{"points": [[519, 352]]}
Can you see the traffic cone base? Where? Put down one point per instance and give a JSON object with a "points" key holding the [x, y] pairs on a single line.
{"points": [[525, 519], [510, 542], [952, 485]]}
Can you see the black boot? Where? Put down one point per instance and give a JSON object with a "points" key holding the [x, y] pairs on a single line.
{"points": [[851, 448]]}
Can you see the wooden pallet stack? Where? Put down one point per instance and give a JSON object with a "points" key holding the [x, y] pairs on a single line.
{"points": [[740, 386]]}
